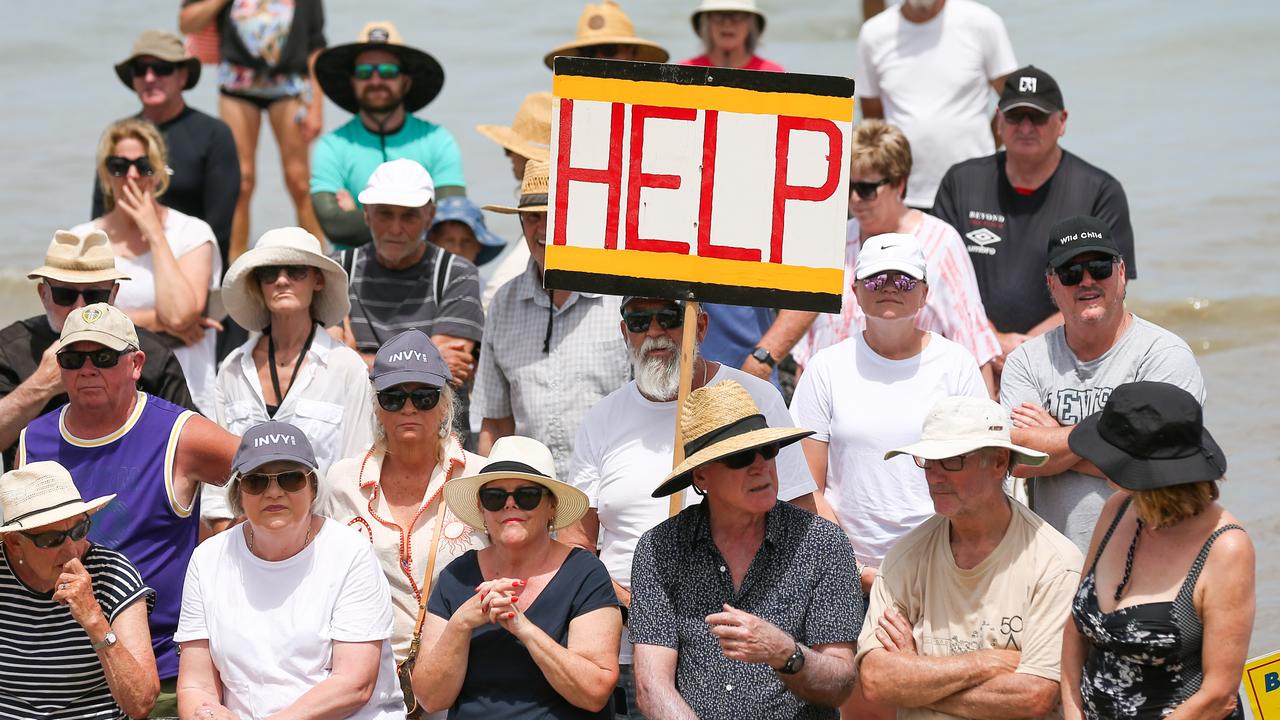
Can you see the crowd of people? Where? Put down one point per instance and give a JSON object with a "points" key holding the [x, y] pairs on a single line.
{"points": [[352, 477]]}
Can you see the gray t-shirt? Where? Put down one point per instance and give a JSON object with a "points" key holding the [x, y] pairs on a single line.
{"points": [[1044, 371]]}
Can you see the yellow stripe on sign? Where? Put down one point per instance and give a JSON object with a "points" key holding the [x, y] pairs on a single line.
{"points": [[725, 99], [688, 268]]}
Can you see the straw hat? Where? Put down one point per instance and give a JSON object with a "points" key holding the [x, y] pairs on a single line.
{"points": [[727, 6], [42, 493], [530, 132], [162, 46], [533, 190], [284, 246], [335, 65], [606, 24], [717, 421], [73, 258], [961, 424], [519, 458]]}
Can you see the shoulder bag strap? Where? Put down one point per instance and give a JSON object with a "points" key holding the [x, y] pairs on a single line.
{"points": [[427, 581]]}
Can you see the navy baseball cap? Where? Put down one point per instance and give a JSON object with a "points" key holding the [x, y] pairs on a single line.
{"points": [[1031, 87], [272, 441], [409, 357], [1078, 235]]}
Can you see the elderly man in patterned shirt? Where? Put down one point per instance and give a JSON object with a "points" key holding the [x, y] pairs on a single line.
{"points": [[741, 606]]}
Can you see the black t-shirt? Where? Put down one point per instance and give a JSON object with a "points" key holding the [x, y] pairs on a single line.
{"points": [[1007, 233], [502, 680]]}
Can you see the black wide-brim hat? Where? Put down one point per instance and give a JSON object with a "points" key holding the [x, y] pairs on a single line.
{"points": [[334, 68], [1149, 435]]}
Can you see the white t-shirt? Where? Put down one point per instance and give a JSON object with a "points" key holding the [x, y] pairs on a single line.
{"points": [[271, 625], [624, 450], [934, 79], [184, 233], [864, 405]]}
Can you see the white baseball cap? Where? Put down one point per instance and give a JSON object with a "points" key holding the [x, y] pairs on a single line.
{"points": [[400, 182], [890, 251]]}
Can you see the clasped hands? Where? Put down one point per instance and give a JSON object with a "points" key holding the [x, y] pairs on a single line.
{"points": [[497, 602]]}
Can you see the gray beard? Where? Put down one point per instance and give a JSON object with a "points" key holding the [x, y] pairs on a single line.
{"points": [[657, 378]]}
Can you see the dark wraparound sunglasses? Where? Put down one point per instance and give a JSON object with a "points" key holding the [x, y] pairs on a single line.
{"points": [[54, 538], [422, 398], [867, 190], [66, 296], [1015, 117], [119, 166], [386, 71], [102, 358], [268, 273], [744, 458], [527, 498], [638, 321], [1073, 274], [160, 68], [290, 481]]}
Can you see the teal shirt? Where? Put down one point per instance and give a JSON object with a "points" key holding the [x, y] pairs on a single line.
{"points": [[345, 158]]}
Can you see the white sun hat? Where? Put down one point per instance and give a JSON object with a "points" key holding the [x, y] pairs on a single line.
{"points": [[284, 246]]}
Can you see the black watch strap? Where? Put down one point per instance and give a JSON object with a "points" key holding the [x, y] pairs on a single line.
{"points": [[794, 663], [764, 356]]}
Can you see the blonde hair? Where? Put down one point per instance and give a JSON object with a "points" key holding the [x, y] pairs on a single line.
{"points": [[448, 398], [1171, 505], [157, 153], [878, 147]]}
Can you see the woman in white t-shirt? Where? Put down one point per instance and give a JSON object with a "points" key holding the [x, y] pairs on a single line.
{"points": [[171, 258], [288, 612]]}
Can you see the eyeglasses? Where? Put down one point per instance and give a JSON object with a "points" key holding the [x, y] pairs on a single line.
{"points": [[54, 538], [1015, 117], [66, 296], [386, 71], [527, 497], [1073, 274], [950, 464], [904, 283], [423, 398], [744, 458], [290, 481], [867, 190], [638, 321], [160, 67], [102, 358], [268, 273], [119, 166]]}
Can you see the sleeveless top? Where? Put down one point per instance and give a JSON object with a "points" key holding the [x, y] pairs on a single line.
{"points": [[1144, 660], [145, 522]]}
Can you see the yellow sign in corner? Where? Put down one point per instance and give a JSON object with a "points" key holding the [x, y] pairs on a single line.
{"points": [[1262, 685]]}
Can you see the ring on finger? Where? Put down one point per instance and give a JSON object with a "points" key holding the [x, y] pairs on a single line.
{"points": [[62, 586]]}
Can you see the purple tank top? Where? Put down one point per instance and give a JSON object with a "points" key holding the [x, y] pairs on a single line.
{"points": [[145, 523]]}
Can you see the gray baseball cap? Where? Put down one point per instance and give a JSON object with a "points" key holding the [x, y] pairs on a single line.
{"points": [[409, 357], [272, 441]]}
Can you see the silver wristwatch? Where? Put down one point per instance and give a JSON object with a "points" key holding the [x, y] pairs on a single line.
{"points": [[107, 641]]}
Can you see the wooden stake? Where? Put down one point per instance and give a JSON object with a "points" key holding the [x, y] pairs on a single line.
{"points": [[687, 342]]}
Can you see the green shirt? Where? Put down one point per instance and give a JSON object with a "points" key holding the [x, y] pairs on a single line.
{"points": [[345, 158]]}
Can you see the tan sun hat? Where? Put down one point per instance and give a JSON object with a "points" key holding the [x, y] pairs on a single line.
{"points": [[748, 6], [284, 246], [607, 24], [533, 190], [529, 134], [717, 421], [42, 493], [961, 424], [101, 323], [73, 258], [519, 458]]}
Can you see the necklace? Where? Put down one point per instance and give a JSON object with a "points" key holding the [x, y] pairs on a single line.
{"points": [[305, 540]]}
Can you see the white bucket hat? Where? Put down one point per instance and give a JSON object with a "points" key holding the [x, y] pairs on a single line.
{"points": [[284, 246], [42, 493], [961, 424], [520, 458], [402, 182]]}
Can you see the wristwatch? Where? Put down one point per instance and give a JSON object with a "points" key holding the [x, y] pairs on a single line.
{"points": [[764, 356], [107, 641], [795, 663]]}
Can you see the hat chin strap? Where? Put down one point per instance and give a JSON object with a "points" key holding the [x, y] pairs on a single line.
{"points": [[19, 518]]}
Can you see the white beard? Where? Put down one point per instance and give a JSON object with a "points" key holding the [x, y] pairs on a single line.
{"points": [[921, 5], [657, 377]]}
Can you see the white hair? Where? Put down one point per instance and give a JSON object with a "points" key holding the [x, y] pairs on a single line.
{"points": [[657, 377]]}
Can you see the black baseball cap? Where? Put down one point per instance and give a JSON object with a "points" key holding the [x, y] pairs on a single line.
{"points": [[1079, 234], [271, 441], [1031, 87], [626, 300]]}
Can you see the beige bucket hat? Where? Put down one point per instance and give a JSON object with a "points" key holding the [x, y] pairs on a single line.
{"points": [[961, 424], [533, 190], [73, 258], [42, 493], [529, 134], [520, 458], [607, 24], [748, 6], [101, 323], [284, 246], [163, 46]]}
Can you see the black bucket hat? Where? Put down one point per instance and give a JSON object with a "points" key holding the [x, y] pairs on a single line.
{"points": [[335, 65]]}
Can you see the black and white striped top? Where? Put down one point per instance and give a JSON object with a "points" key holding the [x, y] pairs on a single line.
{"points": [[48, 668]]}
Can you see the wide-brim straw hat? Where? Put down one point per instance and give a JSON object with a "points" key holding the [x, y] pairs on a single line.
{"points": [[961, 424], [335, 65], [607, 24], [73, 258], [42, 493], [519, 458], [284, 246], [162, 46], [717, 421], [727, 6], [529, 134], [534, 190]]}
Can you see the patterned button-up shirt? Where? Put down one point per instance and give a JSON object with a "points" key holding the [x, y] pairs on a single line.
{"points": [[801, 580]]}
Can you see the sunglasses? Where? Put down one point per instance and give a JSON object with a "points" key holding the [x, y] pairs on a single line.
{"points": [[66, 296], [744, 458], [606, 50], [1037, 118], [386, 71], [54, 538], [638, 321], [904, 283], [423, 398], [103, 358], [119, 166], [867, 190], [1073, 274], [268, 273], [951, 464], [527, 497], [290, 481], [160, 68]]}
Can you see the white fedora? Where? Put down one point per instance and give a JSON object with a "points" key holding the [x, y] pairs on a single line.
{"points": [[284, 246], [42, 493], [520, 458]]}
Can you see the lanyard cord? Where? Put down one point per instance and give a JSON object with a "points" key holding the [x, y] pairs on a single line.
{"points": [[271, 360]]}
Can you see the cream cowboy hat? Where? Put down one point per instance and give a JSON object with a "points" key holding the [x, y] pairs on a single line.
{"points": [[519, 458], [606, 24], [284, 246], [717, 421], [73, 258], [42, 493], [529, 134], [748, 6], [533, 190]]}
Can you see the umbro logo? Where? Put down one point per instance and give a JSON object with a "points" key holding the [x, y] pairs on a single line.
{"points": [[982, 236]]}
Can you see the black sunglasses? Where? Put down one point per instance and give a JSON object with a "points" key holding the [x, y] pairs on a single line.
{"points": [[66, 296], [423, 398], [1015, 117], [1073, 274], [527, 497], [744, 458], [386, 71], [119, 166], [268, 273], [161, 68], [867, 190], [54, 538], [290, 481], [606, 50], [101, 358], [638, 321]]}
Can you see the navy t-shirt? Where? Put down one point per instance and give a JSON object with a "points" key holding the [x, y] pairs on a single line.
{"points": [[733, 332], [502, 680]]}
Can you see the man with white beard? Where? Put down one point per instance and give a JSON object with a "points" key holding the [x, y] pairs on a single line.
{"points": [[625, 444]]}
